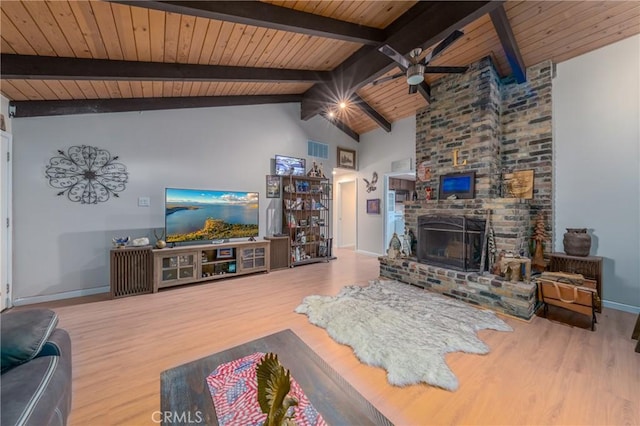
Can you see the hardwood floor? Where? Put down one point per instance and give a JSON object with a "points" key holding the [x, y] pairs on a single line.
{"points": [[544, 372]]}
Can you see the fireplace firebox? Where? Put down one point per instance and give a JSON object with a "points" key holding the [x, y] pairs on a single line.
{"points": [[450, 241]]}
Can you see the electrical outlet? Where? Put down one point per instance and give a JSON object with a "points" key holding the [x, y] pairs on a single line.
{"points": [[144, 201]]}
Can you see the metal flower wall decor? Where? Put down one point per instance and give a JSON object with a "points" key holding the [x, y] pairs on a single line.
{"points": [[87, 174]]}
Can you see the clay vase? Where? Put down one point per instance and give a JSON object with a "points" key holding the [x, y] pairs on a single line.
{"points": [[577, 242]]}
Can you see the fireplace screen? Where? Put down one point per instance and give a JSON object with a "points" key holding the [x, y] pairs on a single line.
{"points": [[450, 241]]}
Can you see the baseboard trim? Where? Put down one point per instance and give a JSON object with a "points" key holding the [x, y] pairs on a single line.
{"points": [[21, 301], [368, 253], [621, 307]]}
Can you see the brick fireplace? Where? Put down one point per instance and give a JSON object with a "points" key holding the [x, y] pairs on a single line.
{"points": [[496, 126]]}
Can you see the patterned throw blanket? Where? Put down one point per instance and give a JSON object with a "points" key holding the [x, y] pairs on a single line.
{"points": [[234, 390]]}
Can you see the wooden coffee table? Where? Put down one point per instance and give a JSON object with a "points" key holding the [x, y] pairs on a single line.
{"points": [[185, 397]]}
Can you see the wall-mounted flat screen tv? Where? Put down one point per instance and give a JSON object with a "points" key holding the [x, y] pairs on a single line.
{"points": [[286, 166], [457, 185], [203, 215]]}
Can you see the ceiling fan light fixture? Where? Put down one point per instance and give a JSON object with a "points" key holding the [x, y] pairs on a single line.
{"points": [[415, 74]]}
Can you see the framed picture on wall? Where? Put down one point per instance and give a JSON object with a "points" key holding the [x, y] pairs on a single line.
{"points": [[518, 184], [346, 158], [273, 186], [373, 206]]}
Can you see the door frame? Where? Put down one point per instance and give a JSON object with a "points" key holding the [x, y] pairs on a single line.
{"points": [[338, 206], [385, 225], [6, 233]]}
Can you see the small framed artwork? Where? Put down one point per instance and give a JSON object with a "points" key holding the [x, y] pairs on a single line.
{"points": [[518, 184], [224, 253], [346, 158], [373, 206], [273, 186]]}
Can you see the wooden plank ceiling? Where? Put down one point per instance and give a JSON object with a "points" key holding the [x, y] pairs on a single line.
{"points": [[330, 55]]}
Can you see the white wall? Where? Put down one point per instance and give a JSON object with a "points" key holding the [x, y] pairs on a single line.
{"points": [[596, 122], [378, 149], [62, 247]]}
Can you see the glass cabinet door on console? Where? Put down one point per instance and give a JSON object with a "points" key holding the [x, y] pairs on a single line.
{"points": [[177, 267], [253, 258]]}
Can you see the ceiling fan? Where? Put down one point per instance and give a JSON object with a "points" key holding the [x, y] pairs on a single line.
{"points": [[414, 68]]}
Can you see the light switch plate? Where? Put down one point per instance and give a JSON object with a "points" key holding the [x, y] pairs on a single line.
{"points": [[144, 201]]}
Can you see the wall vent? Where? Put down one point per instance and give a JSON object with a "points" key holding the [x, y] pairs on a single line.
{"points": [[317, 149]]}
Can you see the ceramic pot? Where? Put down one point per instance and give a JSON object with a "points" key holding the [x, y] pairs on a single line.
{"points": [[577, 242]]}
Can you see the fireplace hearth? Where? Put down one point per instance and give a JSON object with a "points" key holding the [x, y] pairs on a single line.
{"points": [[451, 241]]}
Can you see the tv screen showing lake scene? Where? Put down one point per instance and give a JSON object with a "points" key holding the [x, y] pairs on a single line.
{"points": [[195, 214]]}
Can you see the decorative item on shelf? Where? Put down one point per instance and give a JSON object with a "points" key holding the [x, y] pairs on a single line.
{"points": [[518, 184], [140, 242], [373, 206], [120, 242], [160, 242], [273, 186], [315, 170], [301, 238], [371, 186], [428, 193], [539, 237], [424, 172], [274, 383], [346, 158], [395, 247], [302, 186], [87, 174], [290, 188], [414, 197], [577, 242]]}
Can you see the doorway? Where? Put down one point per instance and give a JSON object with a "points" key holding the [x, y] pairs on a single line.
{"points": [[6, 298], [346, 208], [399, 187]]}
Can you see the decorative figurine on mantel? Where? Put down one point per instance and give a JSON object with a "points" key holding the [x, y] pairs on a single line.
{"points": [[406, 243], [395, 247]]}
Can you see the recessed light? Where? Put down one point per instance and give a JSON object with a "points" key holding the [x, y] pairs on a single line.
{"points": [[343, 105]]}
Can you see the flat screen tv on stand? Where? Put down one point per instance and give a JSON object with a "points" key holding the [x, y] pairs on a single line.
{"points": [[200, 215]]}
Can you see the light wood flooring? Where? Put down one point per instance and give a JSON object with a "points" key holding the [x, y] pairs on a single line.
{"points": [[543, 373]]}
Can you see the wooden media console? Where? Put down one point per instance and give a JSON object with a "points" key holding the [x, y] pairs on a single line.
{"points": [[207, 262]]}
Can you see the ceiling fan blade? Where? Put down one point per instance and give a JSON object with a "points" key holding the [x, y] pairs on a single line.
{"points": [[395, 55], [387, 78], [451, 38], [413, 89], [445, 70]]}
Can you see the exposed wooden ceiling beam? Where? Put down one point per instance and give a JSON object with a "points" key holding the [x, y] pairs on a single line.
{"points": [[424, 24], [425, 91], [509, 43], [90, 106], [342, 126], [371, 112], [56, 68], [268, 16]]}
